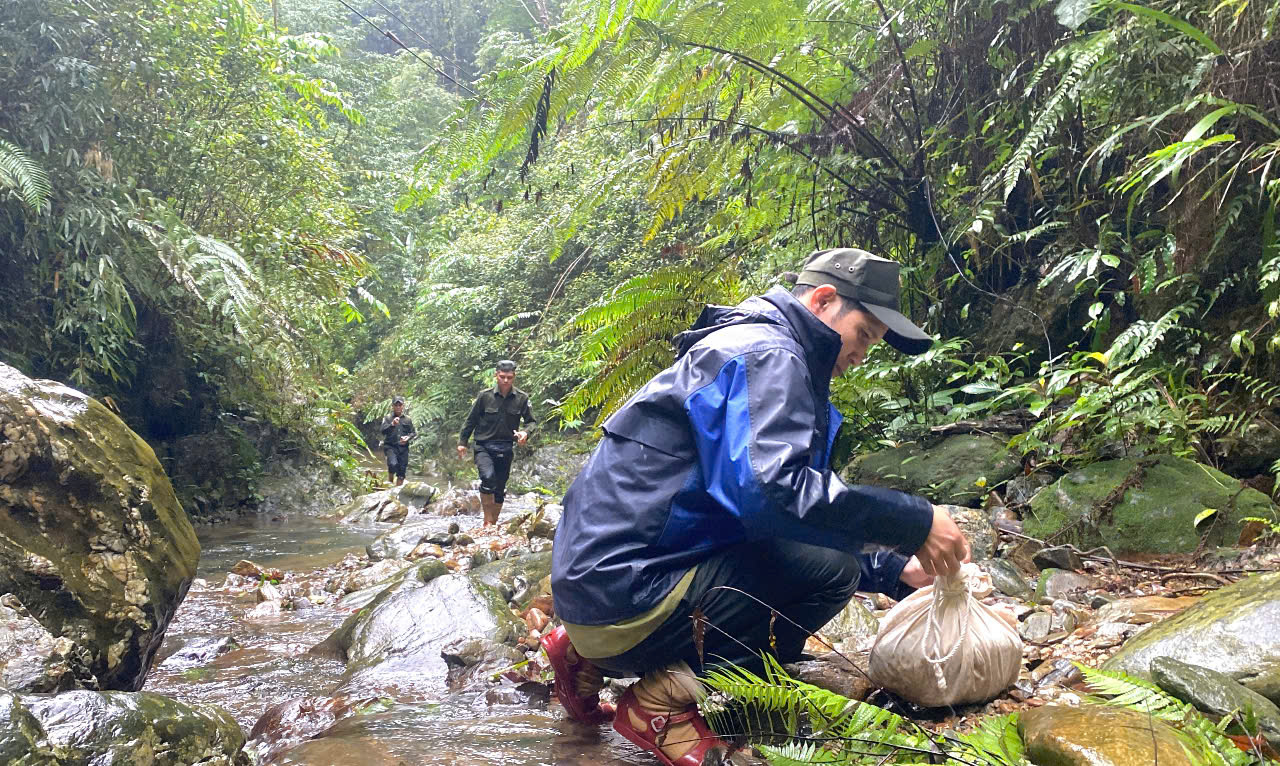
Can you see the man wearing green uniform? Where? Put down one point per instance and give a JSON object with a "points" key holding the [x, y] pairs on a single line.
{"points": [[495, 416]]}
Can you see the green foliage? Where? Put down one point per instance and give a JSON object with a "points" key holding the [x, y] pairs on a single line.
{"points": [[21, 174]]}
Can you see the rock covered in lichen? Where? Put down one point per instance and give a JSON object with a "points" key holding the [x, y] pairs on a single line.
{"points": [[93, 541]]}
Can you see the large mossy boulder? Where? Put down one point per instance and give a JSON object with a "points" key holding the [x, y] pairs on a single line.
{"points": [[93, 542], [959, 470], [84, 728], [1235, 630], [1156, 512]]}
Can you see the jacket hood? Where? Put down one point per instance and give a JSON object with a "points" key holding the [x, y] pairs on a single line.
{"points": [[778, 307]]}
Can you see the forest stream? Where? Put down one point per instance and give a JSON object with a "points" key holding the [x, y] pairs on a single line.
{"points": [[272, 665]]}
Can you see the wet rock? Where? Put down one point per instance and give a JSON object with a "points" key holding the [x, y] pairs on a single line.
{"points": [[1155, 515], [246, 568], [853, 625], [420, 572], [527, 694], [33, 660], [396, 641], [1232, 631], [846, 676], [92, 539], [1216, 693], [200, 651], [1143, 609], [372, 575], [1253, 451], [1059, 672], [536, 619], [457, 502], [417, 495], [400, 542], [959, 469], [1094, 735], [267, 592], [127, 728], [22, 738], [1020, 489], [383, 505], [1037, 627], [515, 577], [1055, 584], [1058, 557], [424, 550], [1008, 579], [285, 724]]}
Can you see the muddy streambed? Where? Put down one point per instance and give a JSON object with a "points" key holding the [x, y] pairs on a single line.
{"points": [[272, 665]]}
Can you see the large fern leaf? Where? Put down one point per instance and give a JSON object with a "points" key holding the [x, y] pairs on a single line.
{"points": [[23, 175]]}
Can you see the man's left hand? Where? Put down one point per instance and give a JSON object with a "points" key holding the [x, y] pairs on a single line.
{"points": [[914, 575], [404, 440], [522, 437]]}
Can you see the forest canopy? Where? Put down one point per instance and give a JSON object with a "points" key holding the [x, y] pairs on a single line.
{"points": [[213, 210]]}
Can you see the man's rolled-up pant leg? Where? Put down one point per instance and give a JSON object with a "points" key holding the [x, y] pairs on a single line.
{"points": [[484, 468], [501, 472], [806, 584]]}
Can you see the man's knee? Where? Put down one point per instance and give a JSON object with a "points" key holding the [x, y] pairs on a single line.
{"points": [[820, 570]]}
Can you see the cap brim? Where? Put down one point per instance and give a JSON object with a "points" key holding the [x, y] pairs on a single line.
{"points": [[902, 334]]}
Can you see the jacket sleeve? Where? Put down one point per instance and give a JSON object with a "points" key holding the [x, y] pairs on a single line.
{"points": [[527, 413], [754, 427], [386, 426], [470, 425], [882, 573]]}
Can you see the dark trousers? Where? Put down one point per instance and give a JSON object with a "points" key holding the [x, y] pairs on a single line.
{"points": [[493, 463], [805, 583], [397, 460]]}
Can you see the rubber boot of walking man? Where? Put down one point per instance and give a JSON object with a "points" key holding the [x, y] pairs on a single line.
{"points": [[397, 433], [495, 417]]}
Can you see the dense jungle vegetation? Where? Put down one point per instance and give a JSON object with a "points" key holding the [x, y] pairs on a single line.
{"points": [[217, 214]]}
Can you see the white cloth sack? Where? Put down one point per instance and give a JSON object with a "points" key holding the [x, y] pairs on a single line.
{"points": [[941, 646]]}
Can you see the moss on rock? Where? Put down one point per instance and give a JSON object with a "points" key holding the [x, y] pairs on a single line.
{"points": [[959, 470]]}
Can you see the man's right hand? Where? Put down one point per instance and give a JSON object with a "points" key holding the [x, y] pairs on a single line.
{"points": [[395, 421], [462, 450], [946, 548]]}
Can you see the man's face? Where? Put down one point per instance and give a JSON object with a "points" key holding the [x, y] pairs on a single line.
{"points": [[398, 408], [505, 381], [858, 330]]}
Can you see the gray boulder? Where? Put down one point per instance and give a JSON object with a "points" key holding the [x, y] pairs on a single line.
{"points": [[400, 542], [515, 578], [93, 541], [34, 660], [1217, 694], [959, 470], [1232, 631]]}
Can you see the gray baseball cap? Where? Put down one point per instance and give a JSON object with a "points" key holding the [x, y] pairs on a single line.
{"points": [[871, 281]]}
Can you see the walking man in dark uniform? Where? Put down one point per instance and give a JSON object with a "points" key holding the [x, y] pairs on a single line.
{"points": [[397, 432], [494, 418]]}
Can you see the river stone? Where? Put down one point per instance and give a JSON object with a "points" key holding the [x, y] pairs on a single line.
{"points": [[382, 505], [457, 502], [853, 622], [1020, 489], [33, 660], [1143, 610], [128, 728], [22, 738], [395, 642], [1156, 517], [287, 723], [92, 539], [1232, 631], [1095, 735], [845, 673], [1057, 557], [948, 472], [400, 542], [1008, 579], [421, 572], [515, 578], [1057, 584], [200, 651], [1216, 693]]}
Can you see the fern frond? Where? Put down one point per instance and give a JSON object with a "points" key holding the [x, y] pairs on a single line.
{"points": [[24, 175]]}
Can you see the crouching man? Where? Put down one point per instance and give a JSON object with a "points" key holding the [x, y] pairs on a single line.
{"points": [[712, 489]]}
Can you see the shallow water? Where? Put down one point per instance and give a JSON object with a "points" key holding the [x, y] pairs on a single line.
{"points": [[272, 666]]}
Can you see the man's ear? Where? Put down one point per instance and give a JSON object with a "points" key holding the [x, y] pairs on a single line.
{"points": [[820, 298]]}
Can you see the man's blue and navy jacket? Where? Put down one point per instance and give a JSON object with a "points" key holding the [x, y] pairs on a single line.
{"points": [[730, 444]]}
